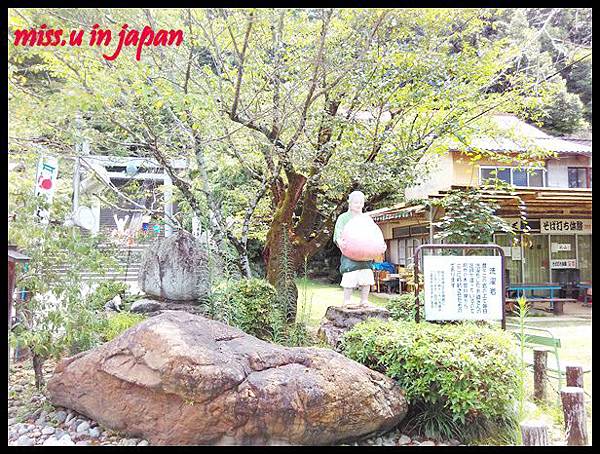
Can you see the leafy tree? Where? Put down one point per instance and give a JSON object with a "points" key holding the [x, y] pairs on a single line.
{"points": [[468, 219], [300, 107], [55, 318]]}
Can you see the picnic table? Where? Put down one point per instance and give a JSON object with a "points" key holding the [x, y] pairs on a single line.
{"points": [[522, 288], [550, 286]]}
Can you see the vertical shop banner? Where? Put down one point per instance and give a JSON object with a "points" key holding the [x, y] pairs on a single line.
{"points": [[463, 288], [45, 183]]}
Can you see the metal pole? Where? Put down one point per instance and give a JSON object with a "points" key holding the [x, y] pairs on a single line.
{"points": [[76, 180]]}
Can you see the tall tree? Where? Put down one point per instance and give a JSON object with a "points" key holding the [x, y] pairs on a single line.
{"points": [[303, 106]]}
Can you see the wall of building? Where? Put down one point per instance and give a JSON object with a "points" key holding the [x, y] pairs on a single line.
{"points": [[387, 226], [439, 177], [558, 174]]}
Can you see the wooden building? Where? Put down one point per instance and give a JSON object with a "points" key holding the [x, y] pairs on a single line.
{"points": [[556, 200]]}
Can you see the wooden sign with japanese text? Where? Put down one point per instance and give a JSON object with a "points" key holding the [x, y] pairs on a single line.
{"points": [[463, 288], [565, 226]]}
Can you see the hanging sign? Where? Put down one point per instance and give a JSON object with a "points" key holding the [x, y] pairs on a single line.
{"points": [[560, 226], [45, 182], [463, 288], [558, 247], [563, 264]]}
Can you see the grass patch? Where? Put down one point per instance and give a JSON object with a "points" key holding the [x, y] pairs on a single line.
{"points": [[315, 297]]}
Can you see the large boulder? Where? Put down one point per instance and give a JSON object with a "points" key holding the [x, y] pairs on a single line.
{"points": [[339, 319], [175, 268], [182, 379]]}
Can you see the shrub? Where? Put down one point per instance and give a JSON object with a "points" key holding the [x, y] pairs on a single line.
{"points": [[459, 379], [251, 305], [118, 323], [105, 291], [403, 307]]}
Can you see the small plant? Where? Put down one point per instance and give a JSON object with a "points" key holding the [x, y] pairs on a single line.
{"points": [[251, 305], [118, 323], [403, 307]]}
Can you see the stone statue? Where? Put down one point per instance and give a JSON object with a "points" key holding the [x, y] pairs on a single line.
{"points": [[355, 273]]}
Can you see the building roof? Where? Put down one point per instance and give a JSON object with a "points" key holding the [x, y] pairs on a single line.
{"points": [[521, 136], [536, 202], [396, 212], [16, 256]]}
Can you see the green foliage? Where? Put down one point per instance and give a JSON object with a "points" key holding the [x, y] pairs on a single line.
{"points": [[116, 324], [287, 292], [403, 307], [250, 304], [564, 112], [106, 291], [468, 219], [459, 379]]}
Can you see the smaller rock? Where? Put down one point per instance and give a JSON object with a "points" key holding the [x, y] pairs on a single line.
{"points": [[60, 416], [36, 433], [143, 443], [130, 441], [428, 443], [24, 440], [453, 442], [145, 305], [12, 421], [404, 440], [48, 430], [83, 427], [82, 443], [65, 440], [114, 304], [95, 432], [69, 417]]}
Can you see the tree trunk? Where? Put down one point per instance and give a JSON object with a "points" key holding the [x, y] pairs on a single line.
{"points": [[38, 370], [575, 418], [534, 433]]}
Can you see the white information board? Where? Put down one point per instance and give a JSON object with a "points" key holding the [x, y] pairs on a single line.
{"points": [[463, 288]]}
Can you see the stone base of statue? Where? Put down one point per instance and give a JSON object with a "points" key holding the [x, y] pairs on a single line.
{"points": [[339, 319]]}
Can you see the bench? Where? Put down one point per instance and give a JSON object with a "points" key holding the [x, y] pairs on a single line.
{"points": [[556, 304], [539, 337]]}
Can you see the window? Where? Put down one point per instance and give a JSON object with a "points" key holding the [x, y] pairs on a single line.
{"points": [[492, 173], [398, 232], [536, 178], [518, 177], [580, 177]]}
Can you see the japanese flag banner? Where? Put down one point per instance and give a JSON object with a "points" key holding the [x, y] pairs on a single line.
{"points": [[45, 182]]}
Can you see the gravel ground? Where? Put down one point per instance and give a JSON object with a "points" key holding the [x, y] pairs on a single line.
{"points": [[33, 421]]}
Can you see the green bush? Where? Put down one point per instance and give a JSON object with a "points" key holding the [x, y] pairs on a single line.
{"points": [[459, 379], [251, 305], [403, 307], [116, 324], [105, 291]]}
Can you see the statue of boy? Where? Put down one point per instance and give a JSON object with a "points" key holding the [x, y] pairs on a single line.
{"points": [[354, 273]]}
